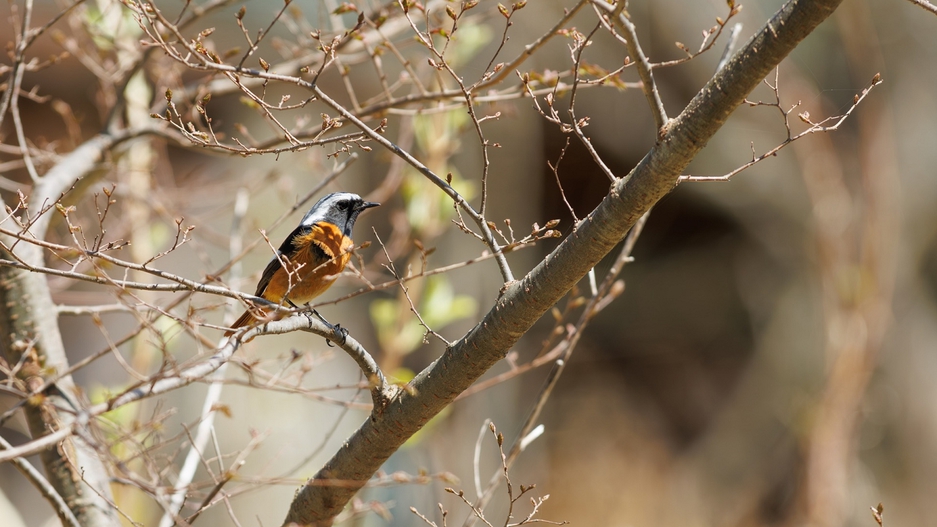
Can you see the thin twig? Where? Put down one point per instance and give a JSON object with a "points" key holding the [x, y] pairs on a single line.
{"points": [[559, 366], [212, 396], [506, 273], [620, 18], [578, 48], [730, 46], [815, 127]]}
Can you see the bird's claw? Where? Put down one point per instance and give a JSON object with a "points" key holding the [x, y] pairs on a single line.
{"points": [[340, 332]]}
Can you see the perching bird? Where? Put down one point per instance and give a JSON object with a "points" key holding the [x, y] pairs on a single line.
{"points": [[312, 255]]}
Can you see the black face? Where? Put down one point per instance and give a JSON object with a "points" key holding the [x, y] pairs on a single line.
{"points": [[357, 209], [346, 212]]}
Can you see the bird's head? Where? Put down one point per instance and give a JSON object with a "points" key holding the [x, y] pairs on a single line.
{"points": [[340, 209]]}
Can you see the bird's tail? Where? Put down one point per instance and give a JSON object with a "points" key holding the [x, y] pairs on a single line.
{"points": [[246, 318]]}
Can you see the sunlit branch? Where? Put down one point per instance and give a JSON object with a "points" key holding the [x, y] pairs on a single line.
{"points": [[815, 127], [620, 18]]}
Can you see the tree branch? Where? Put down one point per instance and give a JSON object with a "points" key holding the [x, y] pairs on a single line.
{"points": [[620, 18], [525, 301]]}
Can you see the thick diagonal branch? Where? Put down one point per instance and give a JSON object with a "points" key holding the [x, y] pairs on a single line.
{"points": [[317, 503]]}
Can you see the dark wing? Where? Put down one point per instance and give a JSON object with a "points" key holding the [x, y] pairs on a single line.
{"points": [[267, 276], [285, 248]]}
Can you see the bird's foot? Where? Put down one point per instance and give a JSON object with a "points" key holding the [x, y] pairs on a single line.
{"points": [[340, 333]]}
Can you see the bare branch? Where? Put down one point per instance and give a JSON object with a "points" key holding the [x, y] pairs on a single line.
{"points": [[818, 127], [621, 19], [926, 5], [436, 180], [730, 46], [578, 48]]}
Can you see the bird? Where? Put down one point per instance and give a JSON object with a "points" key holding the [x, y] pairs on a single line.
{"points": [[311, 257]]}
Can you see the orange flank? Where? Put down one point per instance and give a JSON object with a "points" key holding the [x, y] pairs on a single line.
{"points": [[314, 271]]}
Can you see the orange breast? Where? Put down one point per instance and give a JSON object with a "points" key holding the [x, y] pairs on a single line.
{"points": [[317, 268]]}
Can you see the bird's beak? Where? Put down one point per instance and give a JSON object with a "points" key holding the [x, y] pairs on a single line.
{"points": [[368, 205]]}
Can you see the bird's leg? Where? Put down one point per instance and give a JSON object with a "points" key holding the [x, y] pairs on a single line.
{"points": [[304, 311], [339, 331]]}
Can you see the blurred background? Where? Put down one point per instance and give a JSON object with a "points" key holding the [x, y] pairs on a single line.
{"points": [[770, 362]]}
